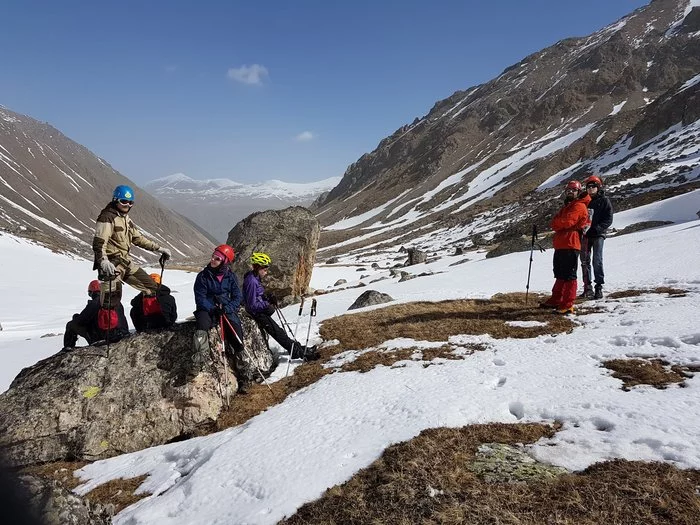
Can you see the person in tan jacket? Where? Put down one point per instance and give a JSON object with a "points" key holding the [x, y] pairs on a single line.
{"points": [[115, 234]]}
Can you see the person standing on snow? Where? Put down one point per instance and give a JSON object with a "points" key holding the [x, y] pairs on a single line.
{"points": [[601, 212], [568, 225], [261, 307], [85, 323], [115, 234], [216, 294], [155, 311]]}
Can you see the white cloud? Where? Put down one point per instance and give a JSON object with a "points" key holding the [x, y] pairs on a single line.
{"points": [[253, 75], [305, 136]]}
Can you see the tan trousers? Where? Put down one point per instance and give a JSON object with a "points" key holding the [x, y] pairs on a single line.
{"points": [[131, 274]]}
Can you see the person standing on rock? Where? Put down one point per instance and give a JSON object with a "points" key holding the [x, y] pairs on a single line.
{"points": [[85, 323], [216, 294], [156, 311], [601, 212], [115, 234], [568, 225], [261, 307]]}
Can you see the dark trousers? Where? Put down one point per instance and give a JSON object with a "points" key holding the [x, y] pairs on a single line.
{"points": [[75, 329], [592, 246], [565, 264], [205, 321], [267, 323]]}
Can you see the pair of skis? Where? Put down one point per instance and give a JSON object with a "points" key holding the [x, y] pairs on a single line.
{"points": [[283, 321]]}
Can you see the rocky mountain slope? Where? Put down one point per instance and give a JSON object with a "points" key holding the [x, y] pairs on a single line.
{"points": [[490, 161], [52, 189], [217, 205]]}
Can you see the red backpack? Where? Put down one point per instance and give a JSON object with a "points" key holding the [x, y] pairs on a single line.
{"points": [[151, 306], [107, 319]]}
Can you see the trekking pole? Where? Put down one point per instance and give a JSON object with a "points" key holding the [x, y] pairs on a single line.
{"points": [[283, 320], [294, 336], [222, 358], [533, 241], [230, 325], [109, 308], [312, 314], [162, 261]]}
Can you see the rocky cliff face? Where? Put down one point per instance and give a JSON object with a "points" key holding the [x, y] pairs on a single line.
{"points": [[52, 189], [622, 102]]}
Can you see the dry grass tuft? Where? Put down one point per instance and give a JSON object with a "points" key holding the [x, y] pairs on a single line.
{"points": [[60, 471], [437, 321], [672, 292], [427, 480], [654, 372], [367, 361], [118, 492]]}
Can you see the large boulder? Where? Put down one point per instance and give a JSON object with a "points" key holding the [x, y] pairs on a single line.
{"points": [[289, 237], [370, 298], [88, 404]]}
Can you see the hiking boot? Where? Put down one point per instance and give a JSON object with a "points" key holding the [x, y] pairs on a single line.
{"points": [[547, 304], [67, 349], [598, 291], [310, 353], [565, 310], [243, 387], [587, 293], [201, 350]]}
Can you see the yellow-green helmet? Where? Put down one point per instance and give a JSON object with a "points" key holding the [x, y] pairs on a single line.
{"points": [[261, 259]]}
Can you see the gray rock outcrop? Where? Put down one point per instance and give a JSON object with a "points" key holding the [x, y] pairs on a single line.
{"points": [[370, 298], [290, 238], [415, 256], [87, 404]]}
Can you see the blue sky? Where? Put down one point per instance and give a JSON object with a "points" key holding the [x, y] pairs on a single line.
{"points": [[260, 90]]}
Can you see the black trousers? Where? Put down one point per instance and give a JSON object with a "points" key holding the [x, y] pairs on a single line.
{"points": [[267, 323], [565, 264], [75, 329], [205, 321]]}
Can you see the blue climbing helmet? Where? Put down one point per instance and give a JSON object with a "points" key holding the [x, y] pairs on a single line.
{"points": [[123, 192]]}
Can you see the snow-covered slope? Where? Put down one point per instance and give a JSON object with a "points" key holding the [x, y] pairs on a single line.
{"points": [[218, 204]]}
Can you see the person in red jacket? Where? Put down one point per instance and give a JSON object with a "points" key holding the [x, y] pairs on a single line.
{"points": [[568, 225]]}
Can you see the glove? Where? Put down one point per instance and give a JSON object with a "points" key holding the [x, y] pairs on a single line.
{"points": [[272, 299], [107, 268], [166, 254], [218, 310]]}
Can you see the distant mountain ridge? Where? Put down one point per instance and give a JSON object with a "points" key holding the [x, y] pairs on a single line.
{"points": [[217, 205], [623, 102], [52, 189]]}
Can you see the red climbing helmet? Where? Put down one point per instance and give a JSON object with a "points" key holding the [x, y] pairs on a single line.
{"points": [[594, 179], [225, 251], [94, 286], [573, 185]]}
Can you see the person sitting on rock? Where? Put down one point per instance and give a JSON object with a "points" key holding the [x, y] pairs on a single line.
{"points": [[216, 294], [261, 307], [85, 324], [154, 312]]}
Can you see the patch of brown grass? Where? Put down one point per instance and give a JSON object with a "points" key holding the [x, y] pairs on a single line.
{"points": [[400, 487], [428, 321], [60, 471], [636, 292], [118, 492], [367, 361], [654, 372]]}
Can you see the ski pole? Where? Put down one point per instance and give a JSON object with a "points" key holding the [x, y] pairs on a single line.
{"points": [[222, 358], [283, 321], [312, 314], [533, 241], [294, 336], [230, 325]]}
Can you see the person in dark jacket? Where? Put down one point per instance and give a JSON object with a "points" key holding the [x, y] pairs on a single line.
{"points": [[154, 312], [601, 212], [216, 294], [567, 224], [85, 323], [261, 307]]}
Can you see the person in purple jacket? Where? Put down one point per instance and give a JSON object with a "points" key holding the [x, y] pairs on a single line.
{"points": [[261, 307]]}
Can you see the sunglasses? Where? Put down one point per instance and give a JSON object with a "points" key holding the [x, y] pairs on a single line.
{"points": [[125, 202], [217, 258], [591, 185]]}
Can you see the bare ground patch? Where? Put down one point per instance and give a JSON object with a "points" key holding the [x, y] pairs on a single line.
{"points": [[368, 360], [436, 321], [428, 480], [655, 372], [636, 292]]}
